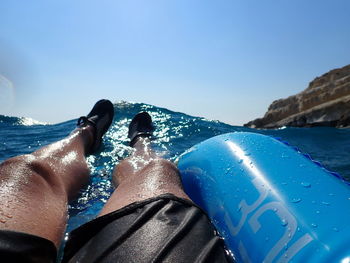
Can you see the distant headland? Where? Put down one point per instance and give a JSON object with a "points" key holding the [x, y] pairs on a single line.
{"points": [[325, 102]]}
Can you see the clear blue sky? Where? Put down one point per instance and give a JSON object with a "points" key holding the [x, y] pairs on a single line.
{"points": [[225, 59]]}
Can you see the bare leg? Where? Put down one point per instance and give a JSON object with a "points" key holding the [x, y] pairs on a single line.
{"points": [[35, 188], [142, 176]]}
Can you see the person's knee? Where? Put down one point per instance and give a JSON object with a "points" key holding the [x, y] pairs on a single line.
{"points": [[160, 163], [154, 168], [162, 169], [17, 164], [28, 168]]}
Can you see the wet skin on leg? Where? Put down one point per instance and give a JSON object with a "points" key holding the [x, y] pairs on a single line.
{"points": [[36, 188], [141, 176]]}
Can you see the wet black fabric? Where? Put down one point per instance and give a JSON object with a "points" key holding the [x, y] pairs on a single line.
{"points": [[25, 248], [161, 229]]}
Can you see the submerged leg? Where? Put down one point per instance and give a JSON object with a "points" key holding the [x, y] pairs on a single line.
{"points": [[35, 188]]}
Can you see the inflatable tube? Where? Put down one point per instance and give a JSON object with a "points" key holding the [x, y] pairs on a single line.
{"points": [[269, 202]]}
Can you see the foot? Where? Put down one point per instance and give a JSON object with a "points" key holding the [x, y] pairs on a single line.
{"points": [[100, 118], [140, 126]]}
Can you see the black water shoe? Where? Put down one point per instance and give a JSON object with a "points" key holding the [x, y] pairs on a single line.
{"points": [[140, 126], [100, 117]]}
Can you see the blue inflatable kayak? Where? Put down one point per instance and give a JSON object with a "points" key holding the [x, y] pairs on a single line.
{"points": [[269, 202]]}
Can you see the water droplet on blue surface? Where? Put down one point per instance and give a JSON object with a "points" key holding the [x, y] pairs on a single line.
{"points": [[335, 229], [314, 225], [275, 209], [317, 212], [296, 200], [284, 222], [240, 161], [247, 154], [267, 239], [331, 194], [306, 184], [284, 155], [325, 203], [284, 183]]}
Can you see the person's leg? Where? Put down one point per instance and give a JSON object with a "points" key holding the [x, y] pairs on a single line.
{"points": [[35, 188], [143, 175]]}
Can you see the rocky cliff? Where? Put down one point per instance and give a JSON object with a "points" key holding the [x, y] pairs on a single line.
{"points": [[326, 102]]}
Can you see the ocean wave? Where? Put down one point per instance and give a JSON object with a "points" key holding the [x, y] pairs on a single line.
{"points": [[25, 121]]}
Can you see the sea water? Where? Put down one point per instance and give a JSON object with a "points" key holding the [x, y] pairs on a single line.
{"points": [[175, 133]]}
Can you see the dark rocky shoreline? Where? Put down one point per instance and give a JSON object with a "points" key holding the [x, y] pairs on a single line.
{"points": [[326, 102]]}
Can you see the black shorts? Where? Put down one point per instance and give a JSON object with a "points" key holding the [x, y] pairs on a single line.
{"points": [[161, 229]]}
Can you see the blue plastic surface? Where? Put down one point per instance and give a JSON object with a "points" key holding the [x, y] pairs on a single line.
{"points": [[269, 202]]}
